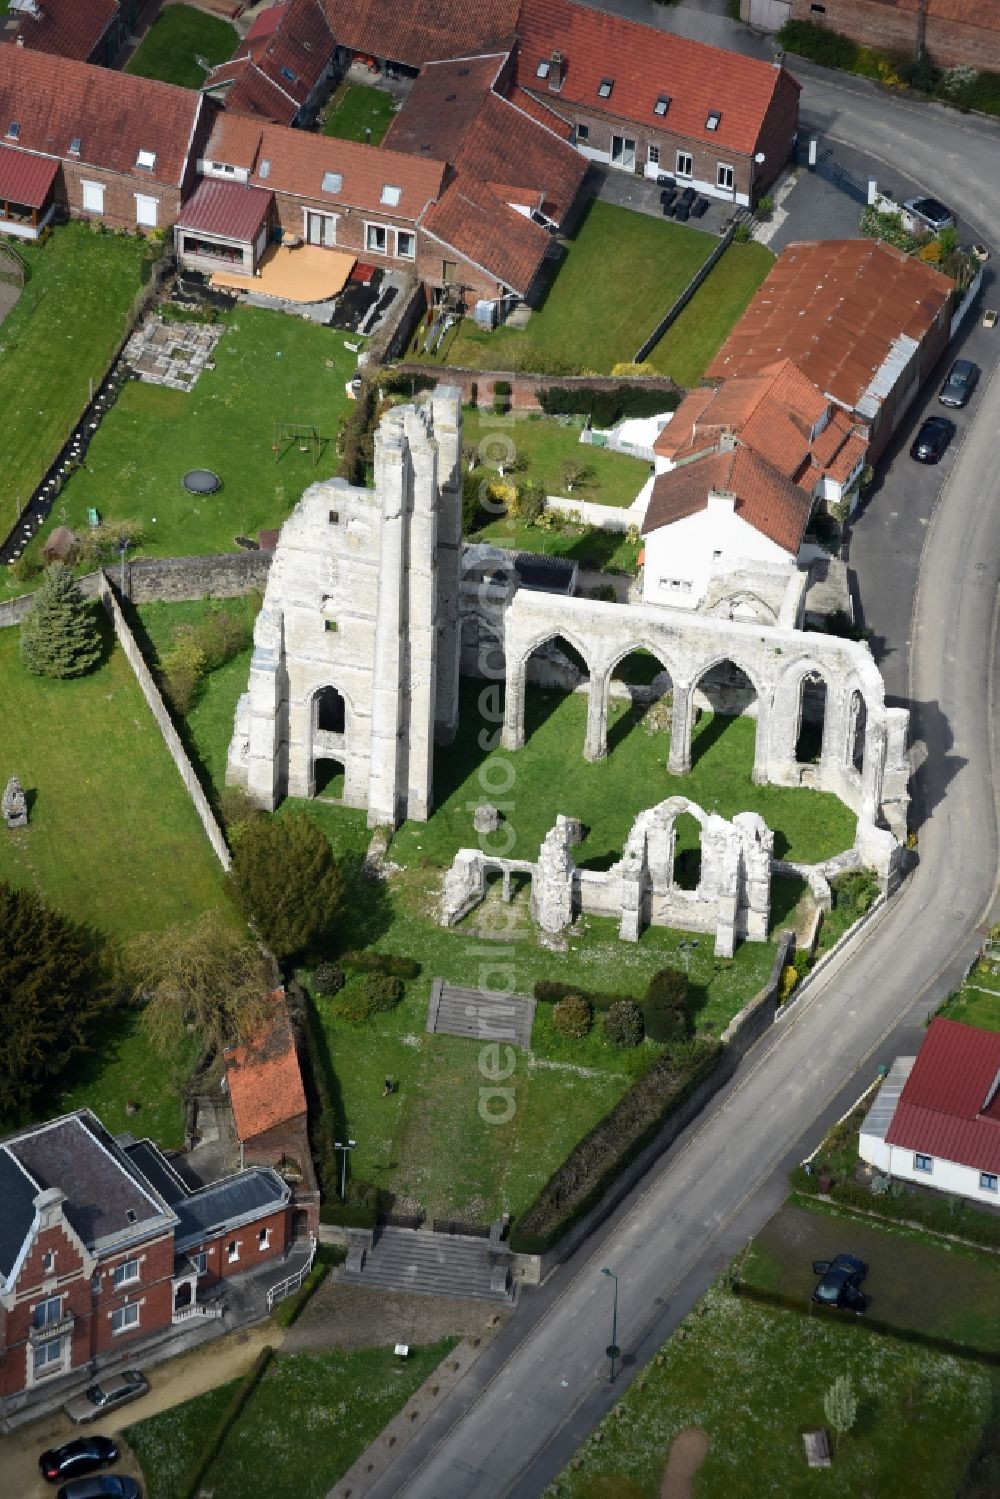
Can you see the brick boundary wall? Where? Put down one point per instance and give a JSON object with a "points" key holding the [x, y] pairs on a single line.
{"points": [[477, 385]]}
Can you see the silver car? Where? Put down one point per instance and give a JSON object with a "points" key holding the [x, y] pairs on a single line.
{"points": [[99, 1398], [930, 214], [961, 382]]}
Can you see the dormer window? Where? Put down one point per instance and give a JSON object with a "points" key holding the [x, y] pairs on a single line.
{"points": [[146, 160], [332, 181], [74, 146], [714, 120], [662, 104], [264, 170], [604, 88], [391, 195], [544, 68], [13, 130]]}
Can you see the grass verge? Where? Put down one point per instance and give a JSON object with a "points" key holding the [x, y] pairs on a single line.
{"points": [[689, 345]]}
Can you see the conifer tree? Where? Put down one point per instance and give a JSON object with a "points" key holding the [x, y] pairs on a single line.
{"points": [[60, 637]]}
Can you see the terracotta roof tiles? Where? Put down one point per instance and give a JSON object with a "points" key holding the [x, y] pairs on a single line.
{"points": [[279, 62], [421, 33], [265, 1082], [471, 219], [63, 28], [764, 498]]}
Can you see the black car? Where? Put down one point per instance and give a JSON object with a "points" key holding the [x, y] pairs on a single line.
{"points": [[841, 1282], [932, 439], [961, 382], [101, 1486], [75, 1458]]}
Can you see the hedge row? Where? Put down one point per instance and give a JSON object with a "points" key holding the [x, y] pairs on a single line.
{"points": [[191, 1482], [605, 407], [942, 1215], [591, 1167], [365, 1203], [381, 962], [550, 992]]}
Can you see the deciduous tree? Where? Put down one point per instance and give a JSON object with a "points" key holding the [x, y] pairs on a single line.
{"points": [[840, 1405]]}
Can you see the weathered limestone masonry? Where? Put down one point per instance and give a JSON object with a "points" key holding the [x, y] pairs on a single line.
{"points": [[356, 648]]}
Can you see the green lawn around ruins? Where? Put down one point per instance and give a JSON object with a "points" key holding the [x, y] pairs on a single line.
{"points": [[178, 37], [59, 336], [309, 1419], [545, 446], [753, 1380], [359, 113]]}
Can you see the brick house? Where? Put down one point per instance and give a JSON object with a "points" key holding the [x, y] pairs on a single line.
{"points": [[861, 320], [282, 68], [104, 1247], [404, 38], [123, 148], [644, 101], [954, 33], [83, 30]]}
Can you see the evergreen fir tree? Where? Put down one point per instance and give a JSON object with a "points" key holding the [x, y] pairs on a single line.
{"points": [[60, 637]]}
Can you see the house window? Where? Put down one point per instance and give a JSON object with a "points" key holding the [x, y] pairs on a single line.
{"points": [[146, 160], [48, 1261], [233, 1250], [264, 1237], [820, 10], [604, 88], [406, 244], [13, 130], [126, 1273], [543, 69], [200, 1261], [922, 1162], [93, 197], [288, 75], [685, 164], [375, 238], [46, 1355], [987, 1181], [449, 271], [583, 132], [714, 120], [49, 1311], [716, 556], [146, 211], [662, 104], [724, 176], [653, 155], [125, 1318], [75, 146]]}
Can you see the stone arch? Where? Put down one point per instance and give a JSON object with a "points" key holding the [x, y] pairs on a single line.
{"points": [[330, 740], [743, 605], [732, 693], [329, 710], [643, 644], [635, 676], [791, 706], [551, 635]]}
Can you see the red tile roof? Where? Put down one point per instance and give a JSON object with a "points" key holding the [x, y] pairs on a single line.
{"points": [[65, 28], [114, 115], [949, 1106], [540, 111], [227, 209], [644, 63], [292, 161], [442, 105], [24, 178], [265, 1083], [276, 67], [835, 308], [473, 221], [765, 498], [267, 22], [419, 33]]}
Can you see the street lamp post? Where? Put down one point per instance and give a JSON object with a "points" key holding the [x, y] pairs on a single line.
{"points": [[612, 1350], [344, 1147]]}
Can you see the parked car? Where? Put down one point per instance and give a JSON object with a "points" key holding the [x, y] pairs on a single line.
{"points": [[930, 214], [75, 1458], [104, 1396], [930, 442], [961, 382], [101, 1486], [841, 1282]]}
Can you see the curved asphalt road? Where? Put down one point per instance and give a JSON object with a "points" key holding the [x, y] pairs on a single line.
{"points": [[536, 1392]]}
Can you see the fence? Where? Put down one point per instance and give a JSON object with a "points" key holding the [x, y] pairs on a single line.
{"points": [[827, 167], [679, 305], [477, 386], [294, 1281]]}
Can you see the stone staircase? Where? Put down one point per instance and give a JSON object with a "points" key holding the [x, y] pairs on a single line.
{"points": [[430, 1264], [480, 1015]]}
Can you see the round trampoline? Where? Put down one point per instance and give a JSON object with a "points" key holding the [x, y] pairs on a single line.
{"points": [[201, 481]]}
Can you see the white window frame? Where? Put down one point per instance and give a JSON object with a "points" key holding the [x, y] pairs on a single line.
{"points": [[40, 1317], [923, 1163], [582, 131], [329, 218], [44, 1355], [264, 1239], [383, 229], [400, 252], [48, 1261], [200, 1261], [91, 191], [233, 1251], [150, 207], [653, 155], [680, 170], [724, 171], [989, 1181], [124, 1318], [125, 1274]]}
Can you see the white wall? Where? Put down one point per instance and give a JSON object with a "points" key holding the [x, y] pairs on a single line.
{"points": [[681, 558], [945, 1176]]}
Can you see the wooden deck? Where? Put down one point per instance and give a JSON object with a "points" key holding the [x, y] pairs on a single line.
{"points": [[306, 274]]}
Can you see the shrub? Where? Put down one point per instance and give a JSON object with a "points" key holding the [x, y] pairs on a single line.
{"points": [[665, 1010], [623, 1024], [328, 979], [530, 502], [356, 441], [789, 979], [236, 807], [828, 48], [381, 962], [551, 991], [102, 543], [765, 208], [26, 569], [360, 1210], [573, 1017], [742, 234], [854, 892], [369, 994], [605, 407], [472, 504], [501, 397]]}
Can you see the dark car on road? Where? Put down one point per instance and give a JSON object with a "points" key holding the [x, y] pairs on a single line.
{"points": [[113, 1390], [840, 1284], [73, 1459], [930, 442], [961, 382], [101, 1486]]}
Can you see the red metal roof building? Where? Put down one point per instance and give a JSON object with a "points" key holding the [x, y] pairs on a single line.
{"points": [[950, 1105]]}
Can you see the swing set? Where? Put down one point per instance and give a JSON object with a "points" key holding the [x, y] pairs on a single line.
{"points": [[303, 435]]}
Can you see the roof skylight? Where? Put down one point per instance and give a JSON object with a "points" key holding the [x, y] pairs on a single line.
{"points": [[391, 195], [544, 68], [714, 119], [146, 160], [332, 181], [604, 88], [662, 104]]}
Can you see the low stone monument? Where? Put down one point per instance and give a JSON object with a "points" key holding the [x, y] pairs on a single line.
{"points": [[14, 805], [486, 818]]}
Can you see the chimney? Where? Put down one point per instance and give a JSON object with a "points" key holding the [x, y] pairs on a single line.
{"points": [[556, 72]]}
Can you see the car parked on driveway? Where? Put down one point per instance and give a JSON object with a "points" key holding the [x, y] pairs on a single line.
{"points": [[98, 1398], [930, 442], [930, 213], [101, 1486], [73, 1459], [961, 382], [840, 1284]]}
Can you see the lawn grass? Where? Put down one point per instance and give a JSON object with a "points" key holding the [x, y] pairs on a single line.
{"points": [[977, 1002], [166, 1444], [177, 38], [268, 367], [621, 273], [358, 108], [546, 445], [689, 345], [607, 551], [60, 335], [753, 1379]]}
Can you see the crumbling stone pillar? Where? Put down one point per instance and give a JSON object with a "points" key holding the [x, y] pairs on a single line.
{"points": [[679, 762], [512, 737], [761, 757], [552, 882], [447, 411], [596, 743]]}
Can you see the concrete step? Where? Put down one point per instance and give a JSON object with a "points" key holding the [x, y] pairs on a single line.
{"points": [[406, 1259]]}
